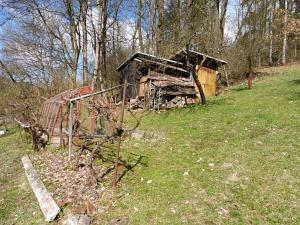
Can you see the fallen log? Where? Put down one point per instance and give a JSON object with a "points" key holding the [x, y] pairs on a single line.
{"points": [[45, 200]]}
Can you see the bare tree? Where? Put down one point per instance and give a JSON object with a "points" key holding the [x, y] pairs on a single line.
{"points": [[139, 24], [284, 46], [222, 18], [83, 12], [97, 74], [160, 10], [271, 34], [8, 72], [75, 38]]}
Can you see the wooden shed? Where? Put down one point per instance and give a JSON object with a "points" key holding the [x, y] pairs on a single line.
{"points": [[164, 83], [207, 69]]}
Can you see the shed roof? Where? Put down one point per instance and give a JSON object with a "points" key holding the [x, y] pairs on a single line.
{"points": [[182, 54], [175, 62], [144, 57]]}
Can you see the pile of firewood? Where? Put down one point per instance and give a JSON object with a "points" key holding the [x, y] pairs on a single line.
{"points": [[163, 102]]}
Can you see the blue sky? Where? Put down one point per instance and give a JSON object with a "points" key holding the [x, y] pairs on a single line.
{"points": [[229, 27]]}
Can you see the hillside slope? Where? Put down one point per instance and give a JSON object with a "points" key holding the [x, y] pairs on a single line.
{"points": [[235, 161]]}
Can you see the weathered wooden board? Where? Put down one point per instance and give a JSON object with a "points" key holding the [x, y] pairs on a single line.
{"points": [[49, 208], [208, 79], [142, 86]]}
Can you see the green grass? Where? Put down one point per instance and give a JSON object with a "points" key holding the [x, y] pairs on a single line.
{"points": [[249, 137], [252, 139], [17, 202]]}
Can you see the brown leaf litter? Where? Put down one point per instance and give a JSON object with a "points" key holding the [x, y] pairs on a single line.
{"points": [[75, 186]]}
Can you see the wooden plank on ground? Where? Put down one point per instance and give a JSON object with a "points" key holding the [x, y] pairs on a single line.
{"points": [[46, 202]]}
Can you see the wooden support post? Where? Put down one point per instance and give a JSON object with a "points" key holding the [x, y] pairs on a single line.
{"points": [[149, 94], [154, 97], [70, 129], [61, 124], [226, 76], [158, 98], [116, 174]]}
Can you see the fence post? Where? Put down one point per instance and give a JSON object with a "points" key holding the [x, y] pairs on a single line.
{"points": [[70, 129], [116, 174]]}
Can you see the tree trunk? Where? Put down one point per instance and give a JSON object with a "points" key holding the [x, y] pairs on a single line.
{"points": [[75, 41], [160, 8], [222, 19], [282, 4], [297, 6], [191, 66], [84, 9], [139, 25], [285, 34], [133, 47], [103, 42], [226, 76], [74, 67], [150, 10], [5, 68], [97, 73], [271, 35], [199, 86], [154, 27], [295, 49], [250, 73]]}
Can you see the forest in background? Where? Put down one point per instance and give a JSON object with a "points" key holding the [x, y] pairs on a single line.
{"points": [[51, 46]]}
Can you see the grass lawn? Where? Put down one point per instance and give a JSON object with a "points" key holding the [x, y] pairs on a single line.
{"points": [[234, 161], [17, 202]]}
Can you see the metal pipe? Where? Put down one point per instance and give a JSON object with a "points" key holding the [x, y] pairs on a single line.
{"points": [[95, 93], [70, 130]]}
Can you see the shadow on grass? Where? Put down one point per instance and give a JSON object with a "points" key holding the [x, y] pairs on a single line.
{"points": [[295, 82], [293, 96], [126, 165], [219, 101], [238, 89], [130, 167]]}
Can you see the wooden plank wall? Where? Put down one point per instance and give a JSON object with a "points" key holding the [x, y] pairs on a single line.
{"points": [[208, 79], [143, 86]]}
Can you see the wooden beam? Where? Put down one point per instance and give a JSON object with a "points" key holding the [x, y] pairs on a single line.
{"points": [[164, 65], [46, 202]]}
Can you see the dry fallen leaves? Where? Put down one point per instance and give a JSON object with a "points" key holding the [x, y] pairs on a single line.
{"points": [[70, 185]]}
